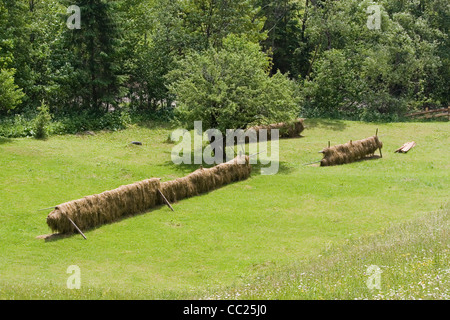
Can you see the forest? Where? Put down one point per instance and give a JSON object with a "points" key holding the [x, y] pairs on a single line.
{"points": [[229, 63]]}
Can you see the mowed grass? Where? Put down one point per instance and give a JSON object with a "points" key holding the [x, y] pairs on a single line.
{"points": [[222, 239]]}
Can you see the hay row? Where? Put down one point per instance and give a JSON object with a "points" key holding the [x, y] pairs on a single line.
{"points": [[350, 151], [110, 206], [286, 129], [204, 180]]}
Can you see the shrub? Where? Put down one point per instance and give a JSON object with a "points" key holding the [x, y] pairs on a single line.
{"points": [[41, 122]]}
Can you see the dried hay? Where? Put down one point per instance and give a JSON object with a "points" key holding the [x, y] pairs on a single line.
{"points": [[286, 129], [105, 207], [204, 180], [109, 206], [350, 151]]}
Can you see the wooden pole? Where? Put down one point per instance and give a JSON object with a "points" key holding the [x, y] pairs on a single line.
{"points": [[47, 208], [76, 227], [312, 162], [376, 133], [165, 200], [254, 154]]}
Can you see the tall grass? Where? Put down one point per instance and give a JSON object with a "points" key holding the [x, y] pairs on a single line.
{"points": [[413, 260]]}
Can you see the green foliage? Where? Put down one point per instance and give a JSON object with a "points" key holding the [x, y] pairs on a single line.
{"points": [[125, 49], [207, 22], [42, 121], [230, 88], [26, 125], [10, 94], [365, 74], [14, 48], [284, 24], [19, 125], [88, 61]]}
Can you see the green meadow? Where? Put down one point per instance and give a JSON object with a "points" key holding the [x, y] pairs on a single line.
{"points": [[293, 235]]}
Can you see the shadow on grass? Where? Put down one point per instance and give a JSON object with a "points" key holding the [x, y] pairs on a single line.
{"points": [[335, 125], [279, 167], [5, 140], [374, 157]]}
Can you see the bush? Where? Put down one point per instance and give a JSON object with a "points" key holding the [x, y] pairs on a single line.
{"points": [[16, 126], [40, 125], [41, 122], [231, 88]]}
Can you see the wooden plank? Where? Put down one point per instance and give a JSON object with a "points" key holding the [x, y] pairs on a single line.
{"points": [[406, 147], [445, 110]]}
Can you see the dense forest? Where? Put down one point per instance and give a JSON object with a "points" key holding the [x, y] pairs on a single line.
{"points": [[227, 62]]}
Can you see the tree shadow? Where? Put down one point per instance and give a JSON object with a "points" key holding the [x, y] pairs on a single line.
{"points": [[5, 140], [275, 167], [185, 168], [373, 157], [331, 124], [278, 167]]}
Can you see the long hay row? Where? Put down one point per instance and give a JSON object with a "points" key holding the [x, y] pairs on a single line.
{"points": [[106, 207], [109, 206], [286, 129], [350, 151], [204, 180]]}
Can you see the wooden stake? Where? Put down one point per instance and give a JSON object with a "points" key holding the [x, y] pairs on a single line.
{"points": [[328, 144], [76, 227], [47, 208], [254, 154], [376, 133], [165, 200], [312, 162]]}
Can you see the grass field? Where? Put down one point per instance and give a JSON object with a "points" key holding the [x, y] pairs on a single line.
{"points": [[259, 238]]}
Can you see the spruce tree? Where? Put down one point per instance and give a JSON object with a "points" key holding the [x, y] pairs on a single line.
{"points": [[90, 57]]}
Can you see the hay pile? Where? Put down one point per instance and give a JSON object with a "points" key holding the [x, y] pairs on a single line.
{"points": [[204, 180], [287, 129], [350, 151], [109, 206], [106, 207]]}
